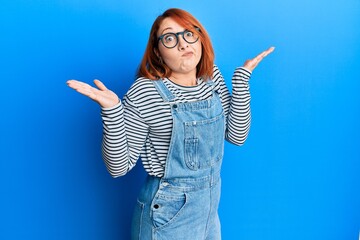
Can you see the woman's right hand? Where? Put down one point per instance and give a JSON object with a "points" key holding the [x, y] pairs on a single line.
{"points": [[103, 96]]}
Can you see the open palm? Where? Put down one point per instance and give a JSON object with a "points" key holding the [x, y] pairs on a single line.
{"points": [[252, 63], [103, 96]]}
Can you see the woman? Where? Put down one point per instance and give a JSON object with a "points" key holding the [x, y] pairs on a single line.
{"points": [[175, 116]]}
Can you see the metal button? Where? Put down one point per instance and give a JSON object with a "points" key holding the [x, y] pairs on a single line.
{"points": [[156, 206], [174, 106]]}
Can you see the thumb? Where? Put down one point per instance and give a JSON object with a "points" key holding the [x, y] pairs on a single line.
{"points": [[100, 85]]}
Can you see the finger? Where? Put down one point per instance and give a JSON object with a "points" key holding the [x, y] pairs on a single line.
{"points": [[100, 85], [73, 83], [77, 84], [83, 88], [260, 57], [89, 92], [267, 52]]}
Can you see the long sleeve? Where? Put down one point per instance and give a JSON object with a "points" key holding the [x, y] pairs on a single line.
{"points": [[239, 116], [141, 125], [124, 134]]}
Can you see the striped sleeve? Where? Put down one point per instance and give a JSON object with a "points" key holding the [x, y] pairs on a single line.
{"points": [[223, 90], [239, 117], [124, 133]]}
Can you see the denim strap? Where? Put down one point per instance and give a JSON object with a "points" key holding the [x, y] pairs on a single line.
{"points": [[163, 90]]}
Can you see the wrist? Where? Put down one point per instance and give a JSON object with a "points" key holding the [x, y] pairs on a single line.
{"points": [[110, 106]]}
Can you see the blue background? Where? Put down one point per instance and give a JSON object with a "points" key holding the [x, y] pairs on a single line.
{"points": [[297, 176]]}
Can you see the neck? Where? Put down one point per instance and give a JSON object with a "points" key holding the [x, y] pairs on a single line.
{"points": [[188, 79]]}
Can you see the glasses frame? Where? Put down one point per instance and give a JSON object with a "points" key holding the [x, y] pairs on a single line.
{"points": [[177, 37]]}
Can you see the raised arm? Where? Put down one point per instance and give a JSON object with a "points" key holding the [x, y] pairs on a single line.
{"points": [[124, 132], [239, 117]]}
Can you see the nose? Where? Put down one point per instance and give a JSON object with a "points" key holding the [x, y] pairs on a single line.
{"points": [[182, 43]]}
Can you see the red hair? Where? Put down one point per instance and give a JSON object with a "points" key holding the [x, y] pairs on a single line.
{"points": [[153, 68]]}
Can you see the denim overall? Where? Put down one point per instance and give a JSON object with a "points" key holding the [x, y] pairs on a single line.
{"points": [[183, 204]]}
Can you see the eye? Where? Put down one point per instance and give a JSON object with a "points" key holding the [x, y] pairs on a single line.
{"points": [[169, 38], [189, 34]]}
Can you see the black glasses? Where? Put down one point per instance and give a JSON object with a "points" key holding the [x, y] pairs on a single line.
{"points": [[170, 40]]}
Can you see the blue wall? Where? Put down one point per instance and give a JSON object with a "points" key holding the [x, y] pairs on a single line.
{"points": [[297, 176]]}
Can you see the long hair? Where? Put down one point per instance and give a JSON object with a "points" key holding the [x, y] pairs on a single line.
{"points": [[153, 68]]}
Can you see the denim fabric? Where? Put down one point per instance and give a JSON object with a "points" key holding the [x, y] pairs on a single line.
{"points": [[183, 204]]}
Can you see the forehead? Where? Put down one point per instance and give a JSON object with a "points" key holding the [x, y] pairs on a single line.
{"points": [[169, 25]]}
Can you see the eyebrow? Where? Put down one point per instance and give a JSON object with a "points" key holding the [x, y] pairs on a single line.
{"points": [[165, 29]]}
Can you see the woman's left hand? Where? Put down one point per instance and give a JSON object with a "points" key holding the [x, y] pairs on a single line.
{"points": [[252, 63]]}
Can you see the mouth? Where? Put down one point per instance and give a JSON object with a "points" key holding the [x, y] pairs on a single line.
{"points": [[187, 54]]}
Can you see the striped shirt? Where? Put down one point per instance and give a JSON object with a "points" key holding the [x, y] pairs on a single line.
{"points": [[141, 125]]}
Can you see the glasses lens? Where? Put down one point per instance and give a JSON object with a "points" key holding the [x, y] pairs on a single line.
{"points": [[190, 36], [169, 40]]}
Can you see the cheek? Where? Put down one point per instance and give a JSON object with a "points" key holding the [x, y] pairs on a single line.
{"points": [[198, 47], [198, 50], [167, 55], [161, 51]]}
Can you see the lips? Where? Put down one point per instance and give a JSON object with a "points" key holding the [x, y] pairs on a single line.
{"points": [[187, 54]]}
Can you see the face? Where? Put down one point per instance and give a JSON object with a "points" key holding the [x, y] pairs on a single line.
{"points": [[184, 57]]}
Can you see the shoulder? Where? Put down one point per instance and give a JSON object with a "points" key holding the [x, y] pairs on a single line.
{"points": [[219, 82], [217, 76], [142, 87]]}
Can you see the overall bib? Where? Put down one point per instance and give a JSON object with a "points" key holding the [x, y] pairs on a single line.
{"points": [[183, 204]]}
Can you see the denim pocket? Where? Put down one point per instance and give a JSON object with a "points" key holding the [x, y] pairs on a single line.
{"points": [[191, 156], [166, 208], [204, 142]]}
